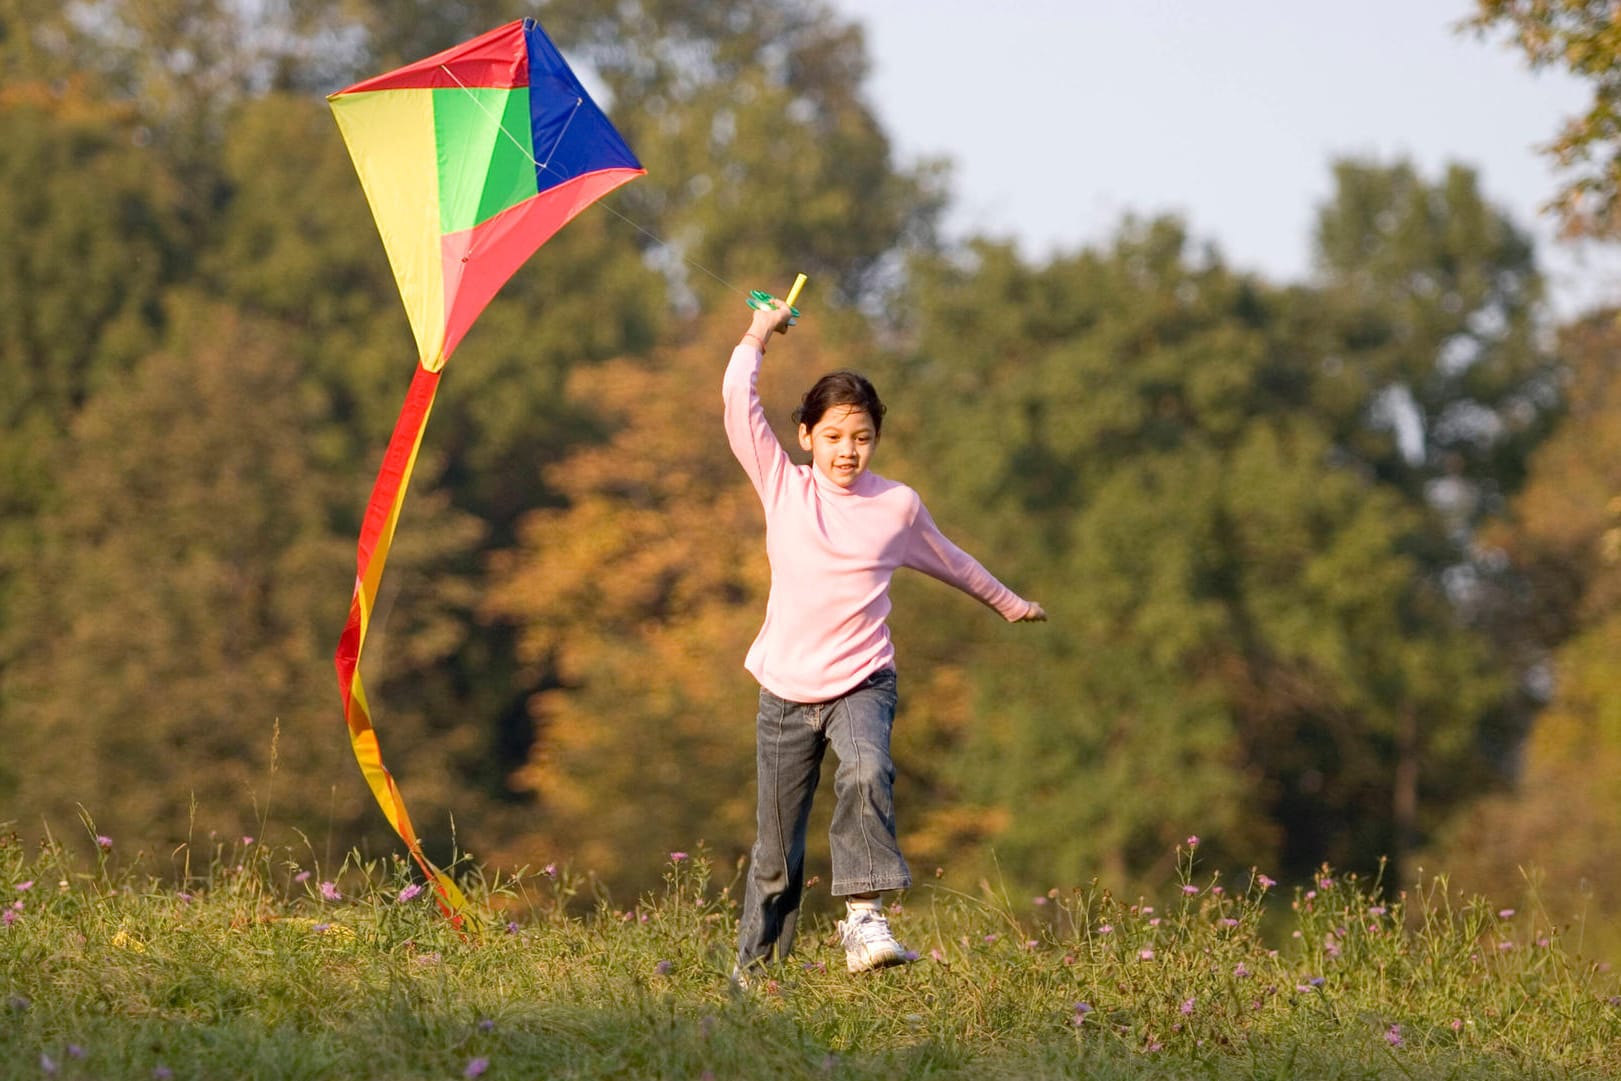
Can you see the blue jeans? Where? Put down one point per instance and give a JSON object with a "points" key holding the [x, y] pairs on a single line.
{"points": [[791, 739]]}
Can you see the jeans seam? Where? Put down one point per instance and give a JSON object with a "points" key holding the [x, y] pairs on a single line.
{"points": [[861, 791], [776, 785]]}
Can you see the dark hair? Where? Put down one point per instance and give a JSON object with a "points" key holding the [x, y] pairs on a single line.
{"points": [[842, 387]]}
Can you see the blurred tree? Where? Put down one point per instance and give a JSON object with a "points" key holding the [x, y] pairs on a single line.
{"points": [[1433, 379], [1558, 822], [761, 146], [1582, 38], [1241, 625], [175, 610], [89, 239]]}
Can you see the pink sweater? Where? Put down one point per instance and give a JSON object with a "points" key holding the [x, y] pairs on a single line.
{"points": [[833, 552]]}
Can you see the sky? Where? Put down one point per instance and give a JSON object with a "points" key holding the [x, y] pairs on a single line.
{"points": [[1062, 116]]}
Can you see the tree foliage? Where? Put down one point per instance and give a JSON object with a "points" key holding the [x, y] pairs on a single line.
{"points": [[1583, 39]]}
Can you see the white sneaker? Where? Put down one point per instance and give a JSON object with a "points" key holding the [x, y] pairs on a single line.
{"points": [[868, 943]]}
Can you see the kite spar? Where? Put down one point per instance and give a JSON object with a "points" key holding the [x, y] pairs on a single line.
{"points": [[470, 159]]}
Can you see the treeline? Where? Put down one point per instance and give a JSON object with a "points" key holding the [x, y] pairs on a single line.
{"points": [[1330, 563]]}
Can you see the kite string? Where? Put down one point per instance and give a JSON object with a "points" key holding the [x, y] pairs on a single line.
{"points": [[546, 165]]}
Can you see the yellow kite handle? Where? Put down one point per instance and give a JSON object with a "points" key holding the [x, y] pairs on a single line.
{"points": [[760, 299]]}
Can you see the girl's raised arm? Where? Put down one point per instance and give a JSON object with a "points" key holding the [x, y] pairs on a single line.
{"points": [[753, 442]]}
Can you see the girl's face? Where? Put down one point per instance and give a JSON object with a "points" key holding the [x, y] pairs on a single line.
{"points": [[841, 444]]}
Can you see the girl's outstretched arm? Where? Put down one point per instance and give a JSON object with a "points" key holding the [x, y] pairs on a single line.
{"points": [[933, 553]]}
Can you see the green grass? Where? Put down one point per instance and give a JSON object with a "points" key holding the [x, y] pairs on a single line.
{"points": [[246, 970]]}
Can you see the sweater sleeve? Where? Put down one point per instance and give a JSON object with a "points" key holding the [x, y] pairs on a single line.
{"points": [[931, 552], [753, 442]]}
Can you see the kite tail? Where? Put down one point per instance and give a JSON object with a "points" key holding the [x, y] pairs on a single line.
{"points": [[376, 534]]}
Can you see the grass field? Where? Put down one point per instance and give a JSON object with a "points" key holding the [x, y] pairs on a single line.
{"points": [[261, 965]]}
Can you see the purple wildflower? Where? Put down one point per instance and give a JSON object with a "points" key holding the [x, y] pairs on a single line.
{"points": [[321, 928], [302, 876], [8, 917], [1228, 921], [104, 841], [329, 890], [47, 1064], [1145, 954], [486, 1025], [409, 893], [1106, 929], [1325, 883], [1193, 840], [1241, 971], [937, 957], [1393, 1036], [1266, 881], [1190, 889], [677, 857], [1187, 1007], [476, 1067], [1377, 910], [246, 841], [1081, 1010], [1505, 914], [550, 870], [160, 1072], [512, 927], [75, 1051], [23, 886], [663, 968]]}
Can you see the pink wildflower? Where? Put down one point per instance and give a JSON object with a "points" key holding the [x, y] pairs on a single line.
{"points": [[329, 891]]}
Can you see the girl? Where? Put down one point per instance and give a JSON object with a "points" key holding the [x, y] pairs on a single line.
{"points": [[835, 533]]}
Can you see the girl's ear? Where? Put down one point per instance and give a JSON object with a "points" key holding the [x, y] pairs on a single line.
{"points": [[804, 438]]}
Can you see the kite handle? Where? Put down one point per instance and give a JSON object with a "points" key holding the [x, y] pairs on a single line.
{"points": [[760, 299]]}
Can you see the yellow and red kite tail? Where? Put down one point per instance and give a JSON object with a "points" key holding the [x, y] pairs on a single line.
{"points": [[376, 534]]}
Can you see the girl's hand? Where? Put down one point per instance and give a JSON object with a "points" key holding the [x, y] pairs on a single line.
{"points": [[1037, 614], [767, 320], [774, 318]]}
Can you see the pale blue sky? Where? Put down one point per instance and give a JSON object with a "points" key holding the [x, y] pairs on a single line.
{"points": [[1063, 115]]}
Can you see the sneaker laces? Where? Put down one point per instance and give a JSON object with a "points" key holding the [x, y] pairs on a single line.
{"points": [[868, 927]]}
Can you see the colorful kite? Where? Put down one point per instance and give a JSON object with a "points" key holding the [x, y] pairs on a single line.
{"points": [[470, 159]]}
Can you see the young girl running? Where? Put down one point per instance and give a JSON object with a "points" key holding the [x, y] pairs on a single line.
{"points": [[835, 534]]}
